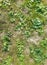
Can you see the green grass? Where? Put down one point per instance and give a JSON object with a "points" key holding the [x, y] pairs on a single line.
{"points": [[19, 22]]}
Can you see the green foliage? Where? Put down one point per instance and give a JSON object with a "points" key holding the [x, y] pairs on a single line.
{"points": [[39, 53], [37, 24], [18, 15], [6, 42], [27, 33], [27, 18], [7, 61], [31, 21], [37, 1], [5, 3], [31, 3], [43, 43], [11, 16], [20, 49]]}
